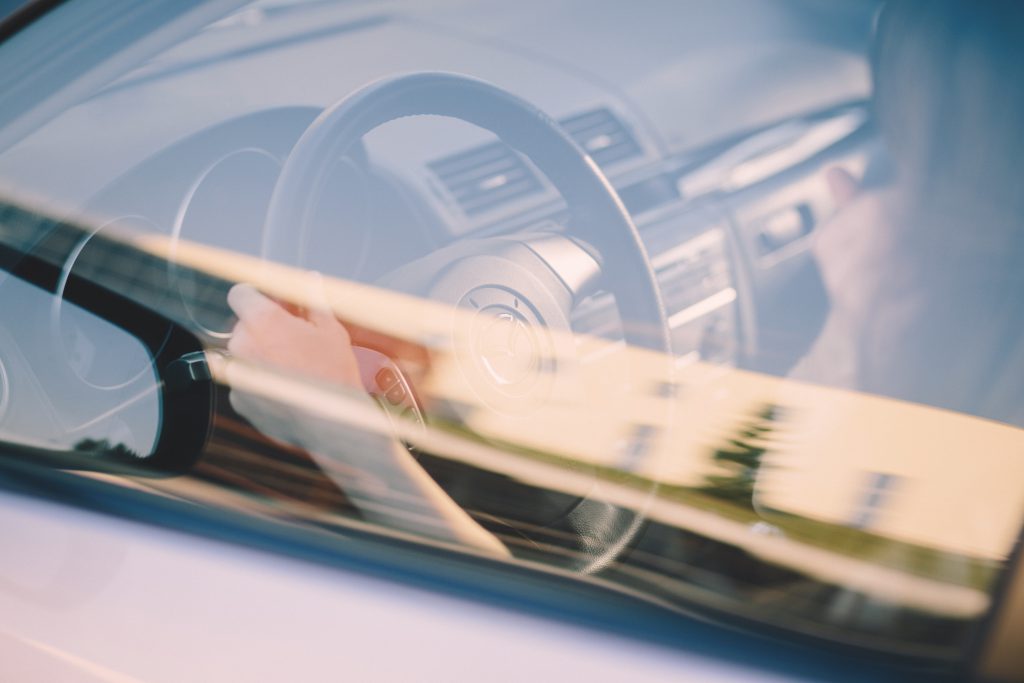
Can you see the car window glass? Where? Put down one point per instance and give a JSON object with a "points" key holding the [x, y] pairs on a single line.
{"points": [[670, 316]]}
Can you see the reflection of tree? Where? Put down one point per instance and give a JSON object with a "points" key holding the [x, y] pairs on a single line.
{"points": [[103, 447], [741, 457]]}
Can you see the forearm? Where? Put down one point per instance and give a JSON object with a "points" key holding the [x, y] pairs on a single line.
{"points": [[350, 439]]}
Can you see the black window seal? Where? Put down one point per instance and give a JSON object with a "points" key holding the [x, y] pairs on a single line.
{"points": [[25, 15]]}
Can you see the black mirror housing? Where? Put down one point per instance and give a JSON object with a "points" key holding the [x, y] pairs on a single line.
{"points": [[179, 369]]}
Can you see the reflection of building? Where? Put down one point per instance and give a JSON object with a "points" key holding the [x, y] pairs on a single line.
{"points": [[914, 473], [875, 495], [921, 475]]}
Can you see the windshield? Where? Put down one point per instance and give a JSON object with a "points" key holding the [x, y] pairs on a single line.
{"points": [[708, 303]]}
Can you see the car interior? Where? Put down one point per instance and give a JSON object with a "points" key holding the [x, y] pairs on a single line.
{"points": [[646, 176]]}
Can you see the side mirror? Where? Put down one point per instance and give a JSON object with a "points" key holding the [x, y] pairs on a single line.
{"points": [[90, 379]]}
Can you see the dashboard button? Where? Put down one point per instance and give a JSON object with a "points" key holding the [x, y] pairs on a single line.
{"points": [[395, 395], [386, 378]]}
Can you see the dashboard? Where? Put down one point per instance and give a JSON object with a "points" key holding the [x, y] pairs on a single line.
{"points": [[714, 134]]}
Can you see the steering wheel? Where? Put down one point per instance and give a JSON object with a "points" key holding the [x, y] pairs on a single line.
{"points": [[522, 289]]}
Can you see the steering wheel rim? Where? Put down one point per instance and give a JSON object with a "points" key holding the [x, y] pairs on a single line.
{"points": [[597, 214]]}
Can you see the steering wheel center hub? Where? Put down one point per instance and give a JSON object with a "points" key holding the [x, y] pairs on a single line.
{"points": [[506, 346], [508, 354]]}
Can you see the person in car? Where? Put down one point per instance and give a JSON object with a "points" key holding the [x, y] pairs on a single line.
{"points": [[924, 276]]}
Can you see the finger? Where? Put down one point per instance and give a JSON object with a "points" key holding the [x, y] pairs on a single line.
{"points": [[254, 309], [842, 185], [321, 313], [241, 342], [262, 343]]}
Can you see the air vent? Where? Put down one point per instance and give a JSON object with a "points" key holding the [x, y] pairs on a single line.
{"points": [[485, 177], [602, 135]]}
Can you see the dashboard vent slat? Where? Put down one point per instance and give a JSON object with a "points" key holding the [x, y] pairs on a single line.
{"points": [[469, 188], [482, 202], [469, 160], [485, 177], [488, 175], [602, 135]]}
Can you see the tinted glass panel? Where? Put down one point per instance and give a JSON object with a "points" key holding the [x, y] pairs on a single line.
{"points": [[640, 293]]}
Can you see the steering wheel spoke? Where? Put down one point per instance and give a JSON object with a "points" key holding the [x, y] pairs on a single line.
{"points": [[576, 267]]}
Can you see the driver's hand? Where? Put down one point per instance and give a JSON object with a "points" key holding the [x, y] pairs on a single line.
{"points": [[316, 346], [311, 347], [856, 250], [873, 293]]}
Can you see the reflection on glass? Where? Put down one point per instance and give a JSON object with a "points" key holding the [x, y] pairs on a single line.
{"points": [[462, 380], [815, 506], [65, 384]]}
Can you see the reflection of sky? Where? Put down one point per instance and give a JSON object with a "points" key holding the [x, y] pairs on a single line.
{"points": [[696, 73], [72, 376]]}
